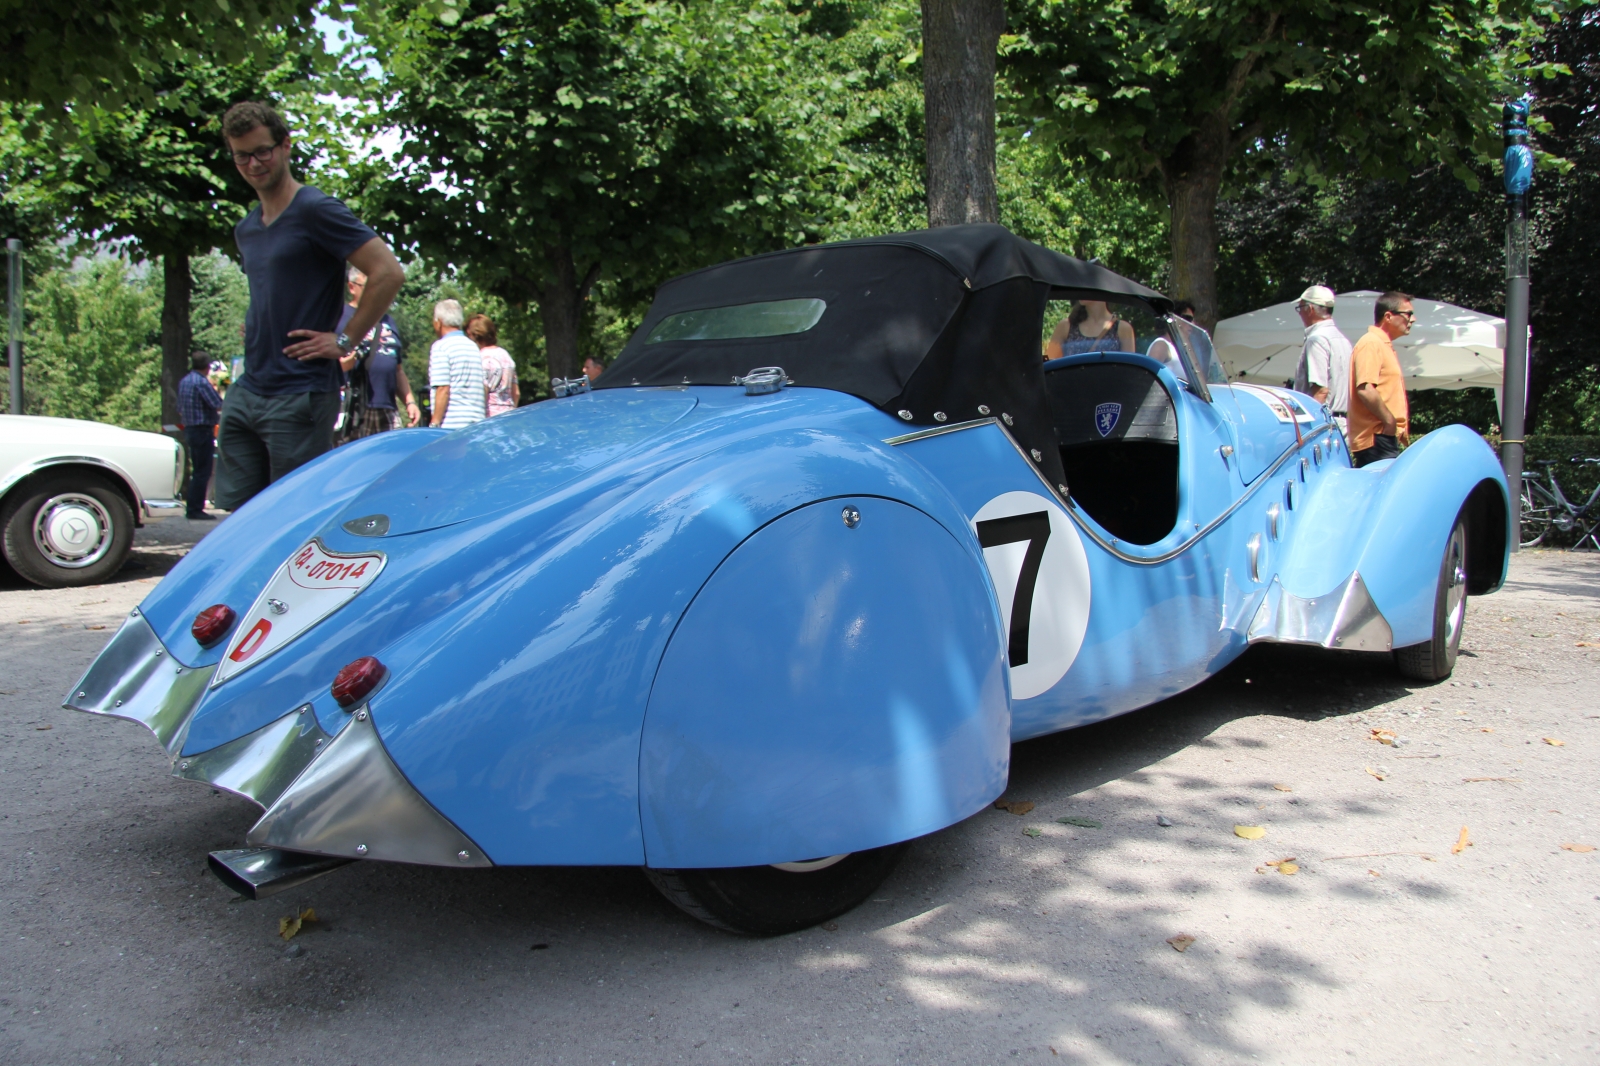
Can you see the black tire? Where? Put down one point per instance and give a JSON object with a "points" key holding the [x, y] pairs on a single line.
{"points": [[66, 530], [1434, 659], [769, 901]]}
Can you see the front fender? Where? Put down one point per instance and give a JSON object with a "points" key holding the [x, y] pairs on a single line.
{"points": [[1389, 522]]}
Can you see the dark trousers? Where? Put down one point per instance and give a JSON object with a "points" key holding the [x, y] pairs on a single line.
{"points": [[202, 442], [1382, 448], [262, 438]]}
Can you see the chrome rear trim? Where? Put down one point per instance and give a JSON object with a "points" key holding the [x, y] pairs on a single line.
{"points": [[136, 678], [353, 802], [259, 766]]}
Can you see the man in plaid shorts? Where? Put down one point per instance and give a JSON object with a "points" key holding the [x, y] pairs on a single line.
{"points": [[384, 379]]}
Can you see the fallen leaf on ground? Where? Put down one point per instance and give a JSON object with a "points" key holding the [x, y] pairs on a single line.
{"points": [[1082, 823], [1282, 866], [1384, 736], [1587, 644], [1581, 848], [1288, 868], [1463, 842], [1282, 788], [1180, 942], [42, 728], [1249, 832], [288, 927], [1031, 831], [1014, 806], [1512, 780], [1541, 635], [1490, 730], [94, 627], [1554, 743], [1380, 855], [1373, 772], [1374, 873]]}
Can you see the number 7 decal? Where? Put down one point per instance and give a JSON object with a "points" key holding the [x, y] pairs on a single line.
{"points": [[1040, 571], [1035, 529]]}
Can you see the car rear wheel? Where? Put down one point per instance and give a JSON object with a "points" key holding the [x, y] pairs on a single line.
{"points": [[1434, 659], [66, 530], [771, 900]]}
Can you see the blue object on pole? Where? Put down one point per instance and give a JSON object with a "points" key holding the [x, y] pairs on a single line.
{"points": [[1518, 169]]}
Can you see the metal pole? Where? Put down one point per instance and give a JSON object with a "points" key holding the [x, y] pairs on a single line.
{"points": [[14, 305], [1518, 177]]}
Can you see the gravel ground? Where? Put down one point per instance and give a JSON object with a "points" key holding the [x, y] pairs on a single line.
{"points": [[1006, 938]]}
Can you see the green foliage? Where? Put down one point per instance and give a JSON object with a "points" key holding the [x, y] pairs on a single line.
{"points": [[221, 298], [1115, 221], [72, 54], [1386, 86], [92, 345]]}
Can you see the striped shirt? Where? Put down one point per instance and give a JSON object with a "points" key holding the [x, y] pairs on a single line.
{"points": [[454, 361]]}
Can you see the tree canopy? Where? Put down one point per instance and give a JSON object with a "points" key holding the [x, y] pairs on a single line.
{"points": [[70, 54], [1175, 92]]}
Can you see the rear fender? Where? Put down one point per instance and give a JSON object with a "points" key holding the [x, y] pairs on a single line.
{"points": [[1389, 522], [837, 685]]}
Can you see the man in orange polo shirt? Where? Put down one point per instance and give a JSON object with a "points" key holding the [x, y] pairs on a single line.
{"points": [[1379, 414]]}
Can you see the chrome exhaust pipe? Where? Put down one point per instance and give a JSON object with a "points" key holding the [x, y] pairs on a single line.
{"points": [[256, 873]]}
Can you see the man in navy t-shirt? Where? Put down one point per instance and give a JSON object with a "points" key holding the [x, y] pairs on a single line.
{"points": [[293, 246]]}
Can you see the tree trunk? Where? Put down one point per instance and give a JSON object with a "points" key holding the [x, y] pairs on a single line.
{"points": [[177, 336], [561, 300], [1193, 179], [959, 39]]}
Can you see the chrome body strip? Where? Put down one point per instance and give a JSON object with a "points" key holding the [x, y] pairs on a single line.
{"points": [[935, 431], [161, 508], [136, 678], [1072, 509], [256, 873], [353, 802], [1345, 619], [259, 766]]}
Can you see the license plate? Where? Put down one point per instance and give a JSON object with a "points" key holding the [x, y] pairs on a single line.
{"points": [[310, 585]]}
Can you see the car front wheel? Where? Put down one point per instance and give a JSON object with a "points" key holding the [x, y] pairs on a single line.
{"points": [[783, 898], [66, 530], [1434, 659]]}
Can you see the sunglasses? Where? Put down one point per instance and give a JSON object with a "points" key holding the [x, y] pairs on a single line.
{"points": [[1409, 315]]}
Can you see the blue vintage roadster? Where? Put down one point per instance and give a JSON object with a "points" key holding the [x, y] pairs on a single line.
{"points": [[778, 593]]}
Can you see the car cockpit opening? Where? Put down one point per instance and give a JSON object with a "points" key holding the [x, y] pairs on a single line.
{"points": [[1118, 435]]}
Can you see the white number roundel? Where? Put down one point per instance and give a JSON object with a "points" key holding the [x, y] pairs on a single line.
{"points": [[1041, 576]]}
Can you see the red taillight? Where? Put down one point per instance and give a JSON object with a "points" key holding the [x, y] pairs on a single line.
{"points": [[357, 680], [212, 624]]}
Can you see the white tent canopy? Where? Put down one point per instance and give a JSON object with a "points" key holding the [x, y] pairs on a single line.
{"points": [[1449, 347]]}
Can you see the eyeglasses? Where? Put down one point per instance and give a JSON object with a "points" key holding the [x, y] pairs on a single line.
{"points": [[260, 155], [1408, 315]]}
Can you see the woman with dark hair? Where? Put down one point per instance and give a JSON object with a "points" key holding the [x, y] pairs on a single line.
{"points": [[1091, 327], [499, 372]]}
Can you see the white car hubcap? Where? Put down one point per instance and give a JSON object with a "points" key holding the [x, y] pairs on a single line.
{"points": [[72, 530]]}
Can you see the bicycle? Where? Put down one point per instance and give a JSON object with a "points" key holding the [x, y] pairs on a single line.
{"points": [[1547, 508]]}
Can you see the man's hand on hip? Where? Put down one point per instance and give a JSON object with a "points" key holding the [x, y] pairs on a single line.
{"points": [[314, 345]]}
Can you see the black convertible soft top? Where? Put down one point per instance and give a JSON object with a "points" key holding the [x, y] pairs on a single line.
{"points": [[934, 326]]}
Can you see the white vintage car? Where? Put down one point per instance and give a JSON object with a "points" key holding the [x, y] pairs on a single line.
{"points": [[71, 493]]}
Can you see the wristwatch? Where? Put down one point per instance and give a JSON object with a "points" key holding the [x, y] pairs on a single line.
{"points": [[344, 342]]}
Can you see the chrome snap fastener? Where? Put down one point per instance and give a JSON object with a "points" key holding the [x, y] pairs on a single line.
{"points": [[361, 849], [905, 415], [851, 516], [361, 716], [464, 855], [278, 606], [940, 416]]}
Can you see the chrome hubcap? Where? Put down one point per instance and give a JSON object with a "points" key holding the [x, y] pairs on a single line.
{"points": [[1455, 596], [808, 866], [72, 530]]}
